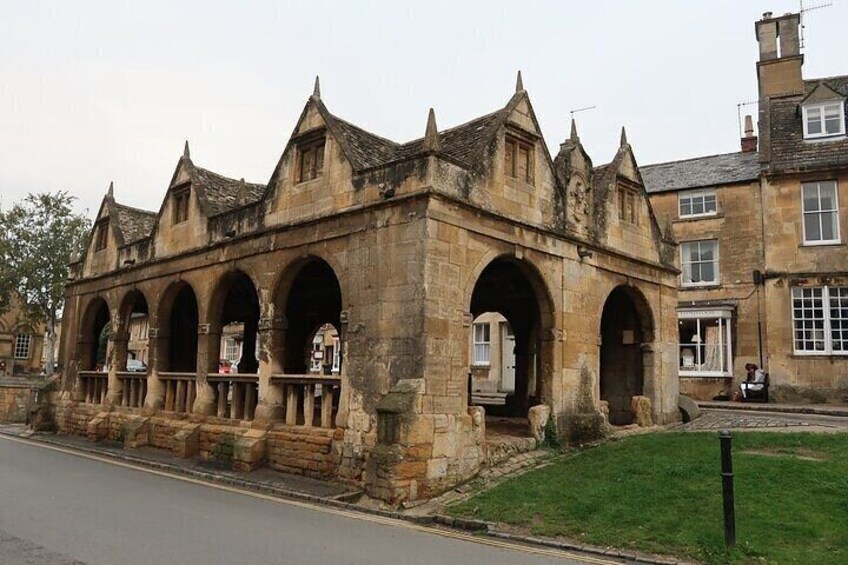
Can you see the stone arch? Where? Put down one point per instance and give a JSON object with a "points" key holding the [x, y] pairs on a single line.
{"points": [[234, 303], [626, 329], [307, 295], [515, 288], [134, 310], [178, 315], [94, 334]]}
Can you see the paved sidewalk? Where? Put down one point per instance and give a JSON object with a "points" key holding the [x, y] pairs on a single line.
{"points": [[840, 410]]}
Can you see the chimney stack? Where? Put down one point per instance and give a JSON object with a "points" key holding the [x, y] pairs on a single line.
{"points": [[749, 142], [779, 67]]}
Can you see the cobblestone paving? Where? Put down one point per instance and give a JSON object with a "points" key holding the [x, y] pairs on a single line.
{"points": [[726, 420]]}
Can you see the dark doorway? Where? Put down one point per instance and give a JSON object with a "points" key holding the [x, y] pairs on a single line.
{"points": [[236, 309], [314, 299], [95, 336], [506, 287], [182, 339], [625, 326]]}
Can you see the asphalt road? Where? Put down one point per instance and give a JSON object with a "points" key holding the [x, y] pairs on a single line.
{"points": [[58, 508]]}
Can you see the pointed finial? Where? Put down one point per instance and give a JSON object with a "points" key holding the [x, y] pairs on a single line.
{"points": [[574, 137], [431, 134], [111, 192], [186, 152], [623, 137], [519, 84], [316, 91]]}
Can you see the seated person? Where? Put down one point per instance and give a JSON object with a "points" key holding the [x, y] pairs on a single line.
{"points": [[754, 379]]}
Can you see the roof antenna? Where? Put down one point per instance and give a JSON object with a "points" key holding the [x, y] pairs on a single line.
{"points": [[739, 113], [802, 10], [578, 110]]}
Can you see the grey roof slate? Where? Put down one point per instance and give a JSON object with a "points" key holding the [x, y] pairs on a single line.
{"points": [[224, 194], [789, 151], [699, 172], [462, 144], [135, 224]]}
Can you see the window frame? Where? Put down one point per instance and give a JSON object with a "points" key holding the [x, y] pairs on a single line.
{"points": [[702, 193], [819, 212], [485, 343], [310, 146], [27, 340], [725, 332], [181, 197], [514, 145], [101, 235], [821, 107], [826, 319], [717, 268]]}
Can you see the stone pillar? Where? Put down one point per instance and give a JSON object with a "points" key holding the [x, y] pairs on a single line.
{"points": [[345, 390], [157, 354], [271, 335], [208, 346], [248, 363], [118, 362]]}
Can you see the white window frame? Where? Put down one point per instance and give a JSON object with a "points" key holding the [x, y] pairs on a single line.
{"points": [[821, 108], [724, 317], [684, 260], [336, 358], [692, 195], [818, 213], [482, 342], [23, 346], [828, 321]]}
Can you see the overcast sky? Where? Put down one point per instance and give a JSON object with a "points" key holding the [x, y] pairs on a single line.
{"points": [[92, 92]]}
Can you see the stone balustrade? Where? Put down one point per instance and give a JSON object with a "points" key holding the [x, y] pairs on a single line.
{"points": [[180, 391], [308, 398], [93, 387], [237, 394], [133, 388]]}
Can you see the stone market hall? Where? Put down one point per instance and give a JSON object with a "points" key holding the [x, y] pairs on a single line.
{"points": [[355, 278]]}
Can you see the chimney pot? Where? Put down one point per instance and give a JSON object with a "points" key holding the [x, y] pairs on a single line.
{"points": [[766, 15], [749, 142]]}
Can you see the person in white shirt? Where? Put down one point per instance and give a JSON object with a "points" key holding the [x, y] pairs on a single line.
{"points": [[754, 381]]}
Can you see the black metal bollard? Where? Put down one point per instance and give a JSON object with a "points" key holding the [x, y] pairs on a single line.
{"points": [[727, 489]]}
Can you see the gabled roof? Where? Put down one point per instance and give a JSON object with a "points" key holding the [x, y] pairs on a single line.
{"points": [[134, 224], [223, 194], [701, 172], [463, 144]]}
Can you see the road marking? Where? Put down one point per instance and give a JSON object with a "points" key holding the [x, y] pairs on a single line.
{"points": [[326, 509]]}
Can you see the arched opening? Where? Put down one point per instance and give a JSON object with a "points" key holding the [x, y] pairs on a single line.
{"points": [[308, 344], [625, 326], [94, 334], [179, 309], [511, 313], [325, 352], [135, 320], [131, 350], [313, 300], [235, 310]]}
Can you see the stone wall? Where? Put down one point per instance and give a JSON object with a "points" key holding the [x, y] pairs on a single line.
{"points": [[15, 400]]}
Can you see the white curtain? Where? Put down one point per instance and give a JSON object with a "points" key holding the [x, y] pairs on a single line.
{"points": [[712, 355]]}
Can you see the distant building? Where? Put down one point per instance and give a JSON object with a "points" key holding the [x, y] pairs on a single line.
{"points": [[763, 236], [21, 343]]}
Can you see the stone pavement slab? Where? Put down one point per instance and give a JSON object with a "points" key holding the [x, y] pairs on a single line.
{"points": [[750, 420], [821, 409]]}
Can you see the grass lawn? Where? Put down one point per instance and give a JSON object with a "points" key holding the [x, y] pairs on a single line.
{"points": [[661, 493]]}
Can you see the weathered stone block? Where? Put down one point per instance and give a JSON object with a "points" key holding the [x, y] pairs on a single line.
{"points": [[186, 442], [641, 407]]}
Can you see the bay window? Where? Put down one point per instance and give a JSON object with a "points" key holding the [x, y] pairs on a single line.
{"points": [[705, 343]]}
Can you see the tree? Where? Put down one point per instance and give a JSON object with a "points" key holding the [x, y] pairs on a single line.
{"points": [[38, 237]]}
